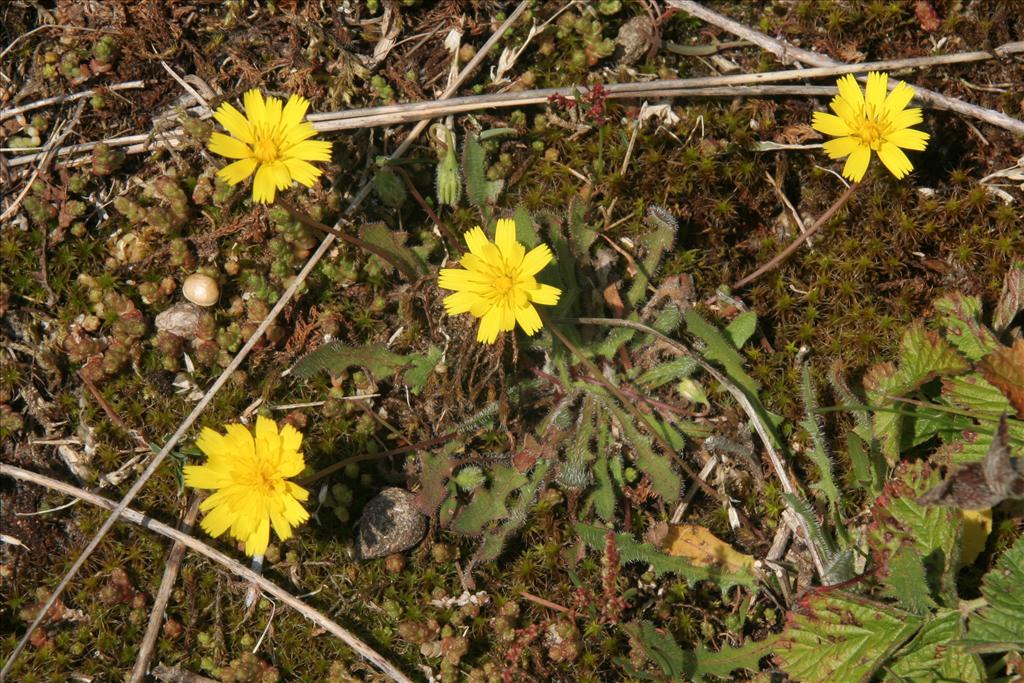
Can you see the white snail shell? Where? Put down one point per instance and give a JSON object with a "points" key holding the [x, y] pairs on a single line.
{"points": [[200, 289]]}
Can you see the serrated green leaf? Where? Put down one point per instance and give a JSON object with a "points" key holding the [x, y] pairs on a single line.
{"points": [[435, 469], [961, 316], [666, 482], [973, 392], [335, 357], [604, 493], [720, 350], [389, 187], [933, 530], [924, 355], [905, 580], [661, 563], [999, 625], [837, 636], [819, 450], [488, 504], [469, 478], [659, 646], [422, 365], [669, 371], [741, 328], [931, 656]]}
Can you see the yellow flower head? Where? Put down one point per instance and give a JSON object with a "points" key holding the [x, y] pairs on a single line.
{"points": [[271, 141], [250, 476], [872, 121], [498, 284]]}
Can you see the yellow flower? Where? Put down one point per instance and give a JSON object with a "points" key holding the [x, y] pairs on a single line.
{"points": [[250, 478], [497, 284], [871, 122], [270, 141]]}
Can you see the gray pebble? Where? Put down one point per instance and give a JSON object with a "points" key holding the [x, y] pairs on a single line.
{"points": [[390, 524]]}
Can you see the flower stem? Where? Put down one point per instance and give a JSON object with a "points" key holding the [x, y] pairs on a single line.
{"points": [[785, 253], [307, 220]]}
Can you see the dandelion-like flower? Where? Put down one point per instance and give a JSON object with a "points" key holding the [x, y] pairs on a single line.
{"points": [[498, 284], [250, 476], [872, 121], [271, 141]]}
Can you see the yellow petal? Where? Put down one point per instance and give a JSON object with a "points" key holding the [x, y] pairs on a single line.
{"points": [[264, 187], [508, 318], [272, 115], [490, 326], [281, 526], [546, 295], [505, 236], [294, 111], [908, 138], [899, 97], [476, 240], [528, 319], [849, 90], [460, 302], [229, 147], [874, 94], [240, 439], [254, 107], [302, 171], [842, 147], [536, 260], [829, 124], [217, 521], [480, 307], [906, 119], [291, 438], [202, 477], [857, 164], [299, 494], [211, 442], [457, 279], [309, 150], [237, 171], [294, 136], [234, 122], [977, 525], [257, 542], [851, 117], [895, 160]]}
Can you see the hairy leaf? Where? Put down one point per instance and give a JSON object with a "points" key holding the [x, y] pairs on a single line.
{"points": [[961, 316], [720, 350], [999, 625], [335, 357], [630, 550], [393, 242], [837, 636], [479, 190]]}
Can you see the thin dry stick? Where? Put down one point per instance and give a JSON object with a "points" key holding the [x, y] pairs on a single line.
{"points": [[708, 86], [163, 596], [268, 586], [804, 236], [325, 245], [61, 99], [741, 398], [788, 54]]}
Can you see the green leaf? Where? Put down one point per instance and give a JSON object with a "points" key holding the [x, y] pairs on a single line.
{"points": [[666, 482], [479, 191], [526, 229], [655, 243], [669, 371], [742, 328], [924, 355], [961, 316], [999, 625], [470, 478], [422, 365], [488, 504], [659, 646], [661, 563], [905, 581], [393, 242], [934, 531], [389, 187], [720, 350], [931, 656], [335, 357], [435, 468], [819, 454], [838, 636]]}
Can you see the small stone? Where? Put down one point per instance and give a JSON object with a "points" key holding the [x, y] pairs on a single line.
{"points": [[635, 39], [181, 320], [390, 524], [200, 289]]}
